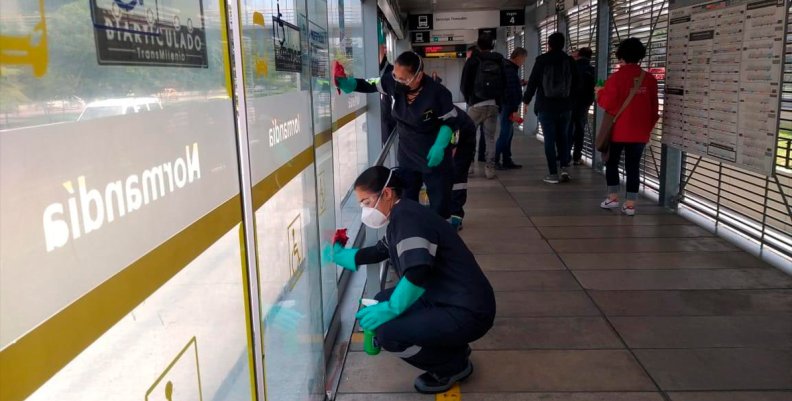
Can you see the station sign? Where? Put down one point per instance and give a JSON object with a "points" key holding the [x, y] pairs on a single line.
{"points": [[512, 18]]}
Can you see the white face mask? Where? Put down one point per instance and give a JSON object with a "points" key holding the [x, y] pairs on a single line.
{"points": [[371, 216]]}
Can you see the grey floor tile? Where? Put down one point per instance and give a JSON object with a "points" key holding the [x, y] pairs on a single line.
{"points": [[701, 279], [670, 231], [545, 370], [533, 280], [514, 245], [695, 303], [608, 245], [575, 206], [732, 396], [718, 368], [605, 396], [561, 220], [499, 234], [414, 396], [705, 331], [382, 373], [495, 217], [661, 260], [544, 303], [549, 333], [519, 261]]}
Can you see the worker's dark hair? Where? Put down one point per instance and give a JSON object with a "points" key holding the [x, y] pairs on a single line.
{"points": [[585, 52], [472, 48], [485, 42], [374, 178], [631, 50], [411, 60], [519, 52], [556, 41]]}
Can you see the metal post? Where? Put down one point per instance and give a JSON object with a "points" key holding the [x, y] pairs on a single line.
{"points": [[371, 61], [670, 176], [601, 60], [234, 30], [531, 123]]}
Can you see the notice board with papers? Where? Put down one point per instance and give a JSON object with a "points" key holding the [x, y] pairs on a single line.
{"points": [[724, 69]]}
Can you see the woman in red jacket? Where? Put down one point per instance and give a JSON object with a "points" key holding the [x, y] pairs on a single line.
{"points": [[633, 128]]}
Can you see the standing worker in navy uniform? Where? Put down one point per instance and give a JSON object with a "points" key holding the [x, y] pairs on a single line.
{"points": [[425, 120], [442, 301], [464, 152]]}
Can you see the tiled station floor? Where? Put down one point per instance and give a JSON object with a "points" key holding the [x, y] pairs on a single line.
{"points": [[596, 306]]}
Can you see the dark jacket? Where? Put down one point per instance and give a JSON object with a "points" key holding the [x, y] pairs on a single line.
{"points": [[544, 104], [588, 78], [469, 72], [513, 93]]}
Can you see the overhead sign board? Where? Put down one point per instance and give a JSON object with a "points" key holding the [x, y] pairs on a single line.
{"points": [[420, 22], [131, 33], [466, 19], [459, 36], [512, 17]]}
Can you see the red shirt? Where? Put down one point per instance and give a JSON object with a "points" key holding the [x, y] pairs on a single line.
{"points": [[639, 118]]}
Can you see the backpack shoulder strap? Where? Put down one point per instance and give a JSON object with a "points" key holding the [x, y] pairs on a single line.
{"points": [[636, 85]]}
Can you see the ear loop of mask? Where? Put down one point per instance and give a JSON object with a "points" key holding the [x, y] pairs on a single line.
{"points": [[390, 174]]}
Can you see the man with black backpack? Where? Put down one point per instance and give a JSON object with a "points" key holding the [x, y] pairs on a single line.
{"points": [[554, 80], [483, 84]]}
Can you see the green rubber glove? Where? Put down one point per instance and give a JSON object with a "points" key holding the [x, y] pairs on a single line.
{"points": [[347, 84], [405, 294], [345, 257], [436, 153]]}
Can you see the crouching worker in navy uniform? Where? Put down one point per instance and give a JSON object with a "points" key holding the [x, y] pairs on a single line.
{"points": [[442, 301]]}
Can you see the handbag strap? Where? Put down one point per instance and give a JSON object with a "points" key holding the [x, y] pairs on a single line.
{"points": [[633, 91]]}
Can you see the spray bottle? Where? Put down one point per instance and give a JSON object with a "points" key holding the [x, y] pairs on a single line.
{"points": [[369, 345]]}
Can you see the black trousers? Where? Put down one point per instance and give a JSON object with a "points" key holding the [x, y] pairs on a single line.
{"points": [[463, 158], [432, 338], [482, 143], [438, 186], [578, 127], [632, 167]]}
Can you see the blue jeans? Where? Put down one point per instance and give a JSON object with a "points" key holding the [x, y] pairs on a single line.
{"points": [[555, 127], [503, 146]]}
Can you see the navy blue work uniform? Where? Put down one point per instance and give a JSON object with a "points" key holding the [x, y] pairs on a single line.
{"points": [[417, 124], [387, 124], [458, 306], [464, 152]]}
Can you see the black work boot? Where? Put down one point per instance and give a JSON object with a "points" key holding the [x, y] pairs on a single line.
{"points": [[430, 383]]}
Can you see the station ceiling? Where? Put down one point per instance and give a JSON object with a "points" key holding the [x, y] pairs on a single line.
{"points": [[417, 6]]}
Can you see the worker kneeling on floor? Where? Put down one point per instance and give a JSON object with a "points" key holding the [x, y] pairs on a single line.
{"points": [[442, 301]]}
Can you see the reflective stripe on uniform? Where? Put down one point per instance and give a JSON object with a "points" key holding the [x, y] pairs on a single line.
{"points": [[378, 83], [409, 352], [411, 243], [450, 114], [459, 187]]}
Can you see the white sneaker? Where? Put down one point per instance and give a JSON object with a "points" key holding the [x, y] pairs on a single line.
{"points": [[609, 203], [489, 171], [628, 210]]}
